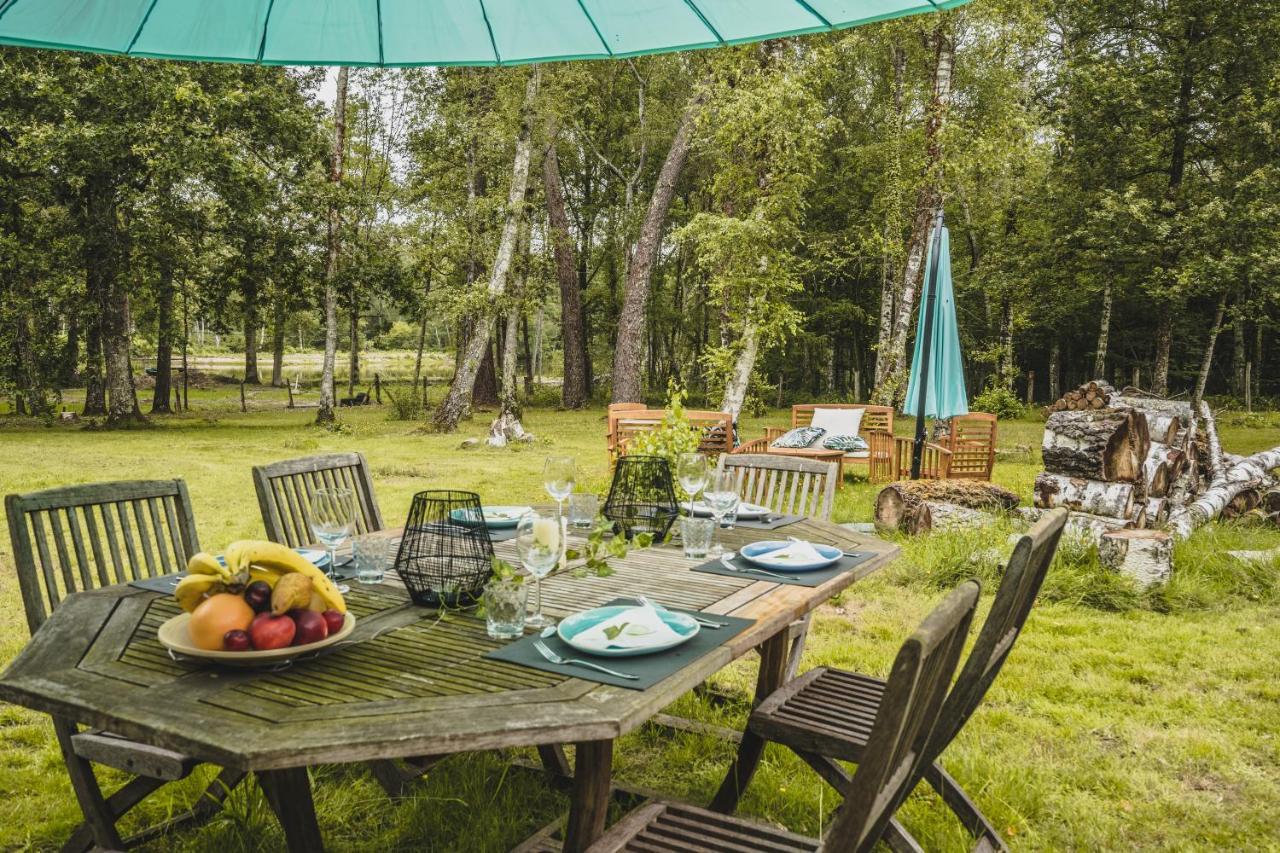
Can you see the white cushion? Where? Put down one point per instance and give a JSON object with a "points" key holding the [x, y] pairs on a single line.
{"points": [[838, 421]]}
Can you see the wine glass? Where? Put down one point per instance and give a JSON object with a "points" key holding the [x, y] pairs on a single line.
{"points": [[539, 539], [558, 478], [721, 497], [332, 516], [691, 473]]}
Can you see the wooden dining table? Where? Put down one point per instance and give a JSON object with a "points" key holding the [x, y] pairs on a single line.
{"points": [[413, 683]]}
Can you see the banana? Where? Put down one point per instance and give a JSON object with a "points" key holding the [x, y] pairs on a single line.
{"points": [[271, 576], [191, 590], [207, 564], [272, 556]]}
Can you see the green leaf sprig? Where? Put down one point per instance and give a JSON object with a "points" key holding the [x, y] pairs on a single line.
{"points": [[599, 549]]}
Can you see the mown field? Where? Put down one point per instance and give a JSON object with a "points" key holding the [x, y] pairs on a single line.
{"points": [[1123, 720]]}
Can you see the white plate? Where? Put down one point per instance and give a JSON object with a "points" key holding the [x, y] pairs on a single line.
{"points": [[685, 627], [760, 553], [495, 517], [311, 555], [746, 511], [173, 635]]}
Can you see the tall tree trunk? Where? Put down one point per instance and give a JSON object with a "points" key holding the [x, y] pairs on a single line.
{"points": [[528, 355], [1055, 370], [628, 359], [458, 400], [69, 361], [889, 282], [251, 323], [122, 399], [1104, 333], [508, 397], [574, 391], [1164, 344], [324, 414], [95, 390], [353, 332], [277, 343], [1238, 356], [1257, 361], [1205, 363], [928, 201], [735, 390], [160, 403], [1006, 343]]}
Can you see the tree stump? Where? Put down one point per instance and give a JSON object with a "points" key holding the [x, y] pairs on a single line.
{"points": [[1107, 444], [1144, 555]]}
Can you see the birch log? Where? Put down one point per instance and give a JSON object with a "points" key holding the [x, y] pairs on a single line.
{"points": [[1091, 496], [1106, 444], [1249, 474], [1144, 555]]}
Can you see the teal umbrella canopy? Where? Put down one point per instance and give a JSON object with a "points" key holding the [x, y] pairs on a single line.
{"points": [[424, 32], [942, 369]]}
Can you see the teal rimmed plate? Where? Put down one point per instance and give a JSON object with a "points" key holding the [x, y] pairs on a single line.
{"points": [[761, 554], [685, 627], [495, 517]]}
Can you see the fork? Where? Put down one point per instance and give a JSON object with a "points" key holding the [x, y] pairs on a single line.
{"points": [[701, 620], [545, 651], [724, 561]]}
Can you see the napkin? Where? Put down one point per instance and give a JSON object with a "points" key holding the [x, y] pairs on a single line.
{"points": [[796, 551], [641, 627]]}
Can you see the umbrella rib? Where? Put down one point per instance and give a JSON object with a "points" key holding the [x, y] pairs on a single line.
{"points": [[6, 6], [583, 6], [141, 24], [817, 14], [705, 22], [488, 26], [266, 22], [381, 61]]}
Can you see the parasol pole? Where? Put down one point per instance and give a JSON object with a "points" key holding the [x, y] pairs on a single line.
{"points": [[931, 294]]}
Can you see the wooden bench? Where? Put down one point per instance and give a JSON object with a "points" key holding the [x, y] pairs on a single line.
{"points": [[876, 428], [627, 420]]}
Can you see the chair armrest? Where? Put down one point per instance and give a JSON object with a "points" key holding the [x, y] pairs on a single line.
{"points": [[771, 433], [757, 445]]}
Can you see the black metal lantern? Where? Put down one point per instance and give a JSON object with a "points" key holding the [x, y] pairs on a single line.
{"points": [[446, 556], [642, 498]]}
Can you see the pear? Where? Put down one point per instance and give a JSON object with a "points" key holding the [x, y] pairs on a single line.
{"points": [[291, 592]]}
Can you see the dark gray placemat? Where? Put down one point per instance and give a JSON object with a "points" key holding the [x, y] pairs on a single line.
{"points": [[650, 668], [165, 584], [814, 578], [772, 524], [502, 535]]}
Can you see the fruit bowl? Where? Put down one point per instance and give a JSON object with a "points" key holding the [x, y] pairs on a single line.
{"points": [[175, 637]]}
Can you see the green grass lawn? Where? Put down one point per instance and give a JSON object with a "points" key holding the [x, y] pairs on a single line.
{"points": [[1122, 720]]}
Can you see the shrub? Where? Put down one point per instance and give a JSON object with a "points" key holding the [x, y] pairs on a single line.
{"points": [[406, 403], [999, 401], [401, 335]]}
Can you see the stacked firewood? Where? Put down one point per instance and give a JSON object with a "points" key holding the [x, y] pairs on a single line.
{"points": [[1118, 460]]}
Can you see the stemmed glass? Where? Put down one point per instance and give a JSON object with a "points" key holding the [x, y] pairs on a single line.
{"points": [[332, 516], [539, 540], [691, 473], [558, 478], [721, 498]]}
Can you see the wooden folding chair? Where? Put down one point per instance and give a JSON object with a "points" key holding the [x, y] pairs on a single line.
{"points": [[824, 715], [79, 538], [284, 494], [787, 485], [891, 767]]}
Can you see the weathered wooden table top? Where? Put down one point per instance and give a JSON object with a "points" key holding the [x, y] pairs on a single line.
{"points": [[411, 682]]}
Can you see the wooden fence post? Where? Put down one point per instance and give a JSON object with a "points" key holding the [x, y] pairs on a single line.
{"points": [[289, 387]]}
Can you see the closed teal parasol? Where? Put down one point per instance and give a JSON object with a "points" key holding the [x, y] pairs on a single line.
{"points": [[936, 387], [424, 32]]}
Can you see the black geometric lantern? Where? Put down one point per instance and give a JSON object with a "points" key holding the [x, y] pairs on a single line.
{"points": [[642, 498], [445, 558]]}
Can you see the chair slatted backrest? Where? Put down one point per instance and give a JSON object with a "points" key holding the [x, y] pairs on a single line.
{"points": [[934, 460], [715, 428], [284, 494], [1023, 576], [973, 446], [874, 418], [895, 755], [627, 424], [77, 538], [786, 485]]}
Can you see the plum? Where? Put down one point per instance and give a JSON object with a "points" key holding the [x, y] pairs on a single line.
{"points": [[334, 620], [258, 596], [237, 641]]}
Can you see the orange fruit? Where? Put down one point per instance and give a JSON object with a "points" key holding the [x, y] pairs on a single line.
{"points": [[217, 615]]}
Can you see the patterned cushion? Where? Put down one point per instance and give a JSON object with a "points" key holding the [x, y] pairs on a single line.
{"points": [[799, 437], [847, 443]]}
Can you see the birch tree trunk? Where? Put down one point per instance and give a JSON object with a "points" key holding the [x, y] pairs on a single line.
{"points": [[1104, 332], [1238, 357], [735, 390], [574, 391], [1055, 370], [324, 414], [457, 401], [927, 203], [1205, 363], [628, 359], [1164, 343]]}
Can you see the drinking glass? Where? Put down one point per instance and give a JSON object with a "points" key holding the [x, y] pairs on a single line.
{"points": [[721, 497], [695, 535], [691, 473], [504, 608], [332, 516], [558, 478], [583, 509], [371, 554], [539, 539]]}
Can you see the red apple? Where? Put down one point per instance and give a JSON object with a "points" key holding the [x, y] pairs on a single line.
{"points": [[335, 620], [237, 641], [269, 631], [312, 627]]}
